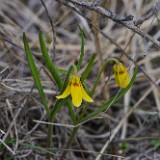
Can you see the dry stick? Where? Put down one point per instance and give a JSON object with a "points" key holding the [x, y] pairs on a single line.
{"points": [[96, 36], [95, 21], [53, 29], [153, 11], [119, 19], [149, 67], [100, 10], [11, 125], [14, 121], [7, 38], [124, 119], [97, 2], [112, 41]]}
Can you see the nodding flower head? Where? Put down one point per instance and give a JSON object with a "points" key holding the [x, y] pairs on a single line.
{"points": [[121, 74], [75, 88]]}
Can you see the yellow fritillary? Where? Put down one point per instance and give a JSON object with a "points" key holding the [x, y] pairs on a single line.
{"points": [[121, 74], [76, 90]]}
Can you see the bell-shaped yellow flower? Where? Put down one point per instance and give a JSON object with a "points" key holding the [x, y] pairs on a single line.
{"points": [[76, 90], [121, 74]]}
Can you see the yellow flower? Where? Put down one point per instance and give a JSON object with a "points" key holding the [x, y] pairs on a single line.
{"points": [[76, 90], [121, 74]]}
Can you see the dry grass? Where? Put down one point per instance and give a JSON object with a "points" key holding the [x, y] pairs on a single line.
{"points": [[133, 121]]}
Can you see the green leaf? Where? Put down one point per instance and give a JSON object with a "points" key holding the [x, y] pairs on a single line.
{"points": [[82, 48], [111, 101], [124, 145], [8, 141], [35, 74], [88, 68], [67, 78], [62, 71], [49, 63], [33, 147], [155, 143]]}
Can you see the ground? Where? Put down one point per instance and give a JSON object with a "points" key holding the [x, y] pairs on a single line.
{"points": [[129, 129]]}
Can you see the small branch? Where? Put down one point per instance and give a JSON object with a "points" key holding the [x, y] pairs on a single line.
{"points": [[100, 10], [134, 28], [153, 11], [97, 2], [125, 21], [53, 29]]}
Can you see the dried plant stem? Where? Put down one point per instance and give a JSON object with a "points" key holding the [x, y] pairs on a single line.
{"points": [[53, 29], [95, 21]]}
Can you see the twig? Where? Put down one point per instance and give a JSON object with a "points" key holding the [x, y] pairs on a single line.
{"points": [[153, 11], [53, 29], [4, 35], [98, 9], [125, 21], [97, 2]]}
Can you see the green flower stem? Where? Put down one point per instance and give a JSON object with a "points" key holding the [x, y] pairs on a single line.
{"points": [[83, 112], [57, 107], [113, 59], [73, 134], [49, 139], [75, 68], [102, 69], [50, 127]]}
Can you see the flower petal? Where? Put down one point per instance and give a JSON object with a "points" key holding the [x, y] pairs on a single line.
{"points": [[66, 92], [121, 75], [76, 94], [86, 96]]}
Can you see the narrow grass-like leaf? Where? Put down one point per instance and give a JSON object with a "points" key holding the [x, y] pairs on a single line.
{"points": [[59, 103], [62, 71], [111, 101], [49, 63], [55, 74], [88, 68], [82, 48], [33, 147], [67, 78], [35, 74]]}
